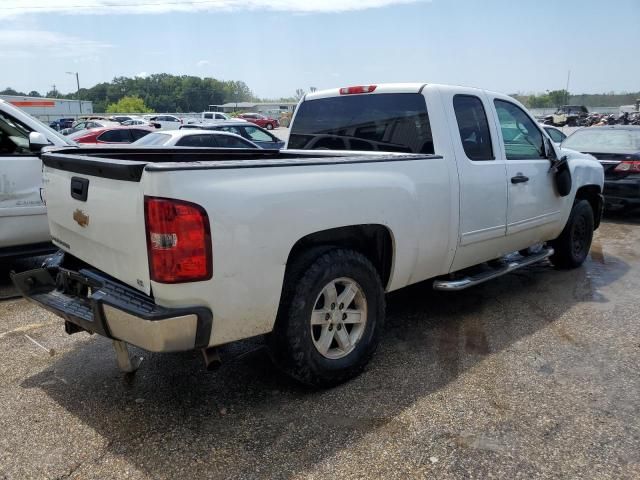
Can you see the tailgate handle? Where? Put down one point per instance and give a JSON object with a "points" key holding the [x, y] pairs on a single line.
{"points": [[79, 188]]}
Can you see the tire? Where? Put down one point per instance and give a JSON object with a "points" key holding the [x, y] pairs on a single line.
{"points": [[269, 126], [573, 244], [298, 346]]}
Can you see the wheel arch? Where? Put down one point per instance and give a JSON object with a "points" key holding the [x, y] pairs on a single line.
{"points": [[374, 241]]}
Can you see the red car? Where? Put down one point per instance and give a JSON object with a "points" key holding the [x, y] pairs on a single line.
{"points": [[260, 120], [113, 135]]}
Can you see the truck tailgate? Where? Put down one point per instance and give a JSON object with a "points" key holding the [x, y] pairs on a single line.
{"points": [[101, 221]]}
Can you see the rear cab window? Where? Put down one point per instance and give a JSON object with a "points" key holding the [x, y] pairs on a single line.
{"points": [[391, 122]]}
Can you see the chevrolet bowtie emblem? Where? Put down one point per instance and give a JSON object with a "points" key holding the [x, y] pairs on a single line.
{"points": [[81, 218]]}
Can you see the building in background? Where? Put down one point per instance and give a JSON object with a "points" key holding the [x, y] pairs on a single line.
{"points": [[49, 109]]}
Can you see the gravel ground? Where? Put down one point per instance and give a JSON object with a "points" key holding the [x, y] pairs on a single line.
{"points": [[533, 375]]}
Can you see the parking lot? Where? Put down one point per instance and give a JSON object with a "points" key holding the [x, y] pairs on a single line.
{"points": [[533, 375]]}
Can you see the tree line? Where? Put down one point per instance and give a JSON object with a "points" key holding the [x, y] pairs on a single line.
{"points": [[161, 92]]}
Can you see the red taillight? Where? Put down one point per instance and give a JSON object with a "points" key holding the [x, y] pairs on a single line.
{"points": [[178, 241], [357, 89], [628, 166]]}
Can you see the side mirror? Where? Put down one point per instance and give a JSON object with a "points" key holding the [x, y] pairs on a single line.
{"points": [[37, 141], [551, 151]]}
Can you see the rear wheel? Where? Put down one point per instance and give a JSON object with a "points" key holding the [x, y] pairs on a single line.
{"points": [[329, 323], [269, 126], [573, 244]]}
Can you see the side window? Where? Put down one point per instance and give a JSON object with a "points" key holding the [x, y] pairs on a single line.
{"points": [[197, 141], [209, 116], [115, 136], [257, 135], [226, 141], [14, 136], [220, 117], [473, 127], [235, 130], [138, 134], [522, 138], [556, 135]]}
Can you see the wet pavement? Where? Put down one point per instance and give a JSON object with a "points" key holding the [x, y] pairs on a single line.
{"points": [[533, 375]]}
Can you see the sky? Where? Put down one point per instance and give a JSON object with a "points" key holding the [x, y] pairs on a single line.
{"points": [[278, 46]]}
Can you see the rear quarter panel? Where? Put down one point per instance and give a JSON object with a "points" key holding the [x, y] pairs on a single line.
{"points": [[258, 214]]}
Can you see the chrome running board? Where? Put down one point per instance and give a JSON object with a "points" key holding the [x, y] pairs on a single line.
{"points": [[509, 266]]}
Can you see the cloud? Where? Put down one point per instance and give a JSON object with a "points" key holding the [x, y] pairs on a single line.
{"points": [[142, 74], [15, 8], [203, 63], [32, 43]]}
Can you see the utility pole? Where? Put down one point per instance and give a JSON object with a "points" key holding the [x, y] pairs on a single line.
{"points": [[78, 84], [55, 92], [567, 89]]}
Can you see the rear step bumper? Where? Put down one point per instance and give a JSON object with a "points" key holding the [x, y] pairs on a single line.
{"points": [[509, 266], [99, 304]]}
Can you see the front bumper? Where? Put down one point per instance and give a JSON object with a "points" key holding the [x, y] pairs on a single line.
{"points": [[91, 300]]}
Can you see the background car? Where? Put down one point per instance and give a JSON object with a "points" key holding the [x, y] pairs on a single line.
{"points": [[87, 124], [260, 120], [166, 122], [61, 123], [556, 134], [213, 117], [139, 121], [251, 132], [571, 115], [617, 147], [110, 135], [195, 138]]}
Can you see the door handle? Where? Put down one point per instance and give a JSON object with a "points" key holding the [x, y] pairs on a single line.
{"points": [[519, 179]]}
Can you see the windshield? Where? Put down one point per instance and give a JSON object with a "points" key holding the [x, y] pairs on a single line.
{"points": [[393, 122], [153, 139], [604, 140]]}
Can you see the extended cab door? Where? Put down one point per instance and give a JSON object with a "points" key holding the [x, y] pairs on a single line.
{"points": [[482, 176], [534, 207]]}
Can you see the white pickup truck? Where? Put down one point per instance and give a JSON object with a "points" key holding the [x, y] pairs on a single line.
{"points": [[24, 229], [186, 249]]}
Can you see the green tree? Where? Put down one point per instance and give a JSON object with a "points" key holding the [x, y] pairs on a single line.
{"points": [[558, 98], [11, 91], [129, 105]]}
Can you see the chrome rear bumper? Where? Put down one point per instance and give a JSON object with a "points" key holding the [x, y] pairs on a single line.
{"points": [[91, 300]]}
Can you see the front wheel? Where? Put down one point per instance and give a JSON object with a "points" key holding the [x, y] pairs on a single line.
{"points": [[269, 126], [573, 244], [329, 323]]}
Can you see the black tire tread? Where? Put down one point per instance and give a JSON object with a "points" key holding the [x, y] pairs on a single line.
{"points": [[563, 257], [287, 342]]}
